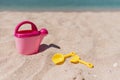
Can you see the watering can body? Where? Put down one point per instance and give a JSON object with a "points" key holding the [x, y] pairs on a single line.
{"points": [[28, 41]]}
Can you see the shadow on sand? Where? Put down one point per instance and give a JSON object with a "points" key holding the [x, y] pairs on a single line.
{"points": [[44, 47]]}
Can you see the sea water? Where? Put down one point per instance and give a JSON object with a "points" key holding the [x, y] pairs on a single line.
{"points": [[58, 4]]}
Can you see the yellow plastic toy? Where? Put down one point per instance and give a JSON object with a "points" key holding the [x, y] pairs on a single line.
{"points": [[76, 59], [59, 58]]}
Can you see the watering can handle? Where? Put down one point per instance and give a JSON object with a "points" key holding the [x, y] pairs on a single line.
{"points": [[33, 26]]}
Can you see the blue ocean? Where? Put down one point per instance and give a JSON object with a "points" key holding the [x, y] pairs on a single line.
{"points": [[58, 4]]}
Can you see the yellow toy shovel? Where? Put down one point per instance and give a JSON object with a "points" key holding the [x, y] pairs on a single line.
{"points": [[76, 59], [59, 58]]}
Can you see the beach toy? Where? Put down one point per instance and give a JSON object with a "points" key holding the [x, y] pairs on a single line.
{"points": [[59, 58], [76, 59], [28, 41]]}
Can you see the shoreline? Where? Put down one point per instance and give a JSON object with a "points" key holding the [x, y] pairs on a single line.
{"points": [[64, 10]]}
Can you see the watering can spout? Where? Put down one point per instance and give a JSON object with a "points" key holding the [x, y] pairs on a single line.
{"points": [[43, 32]]}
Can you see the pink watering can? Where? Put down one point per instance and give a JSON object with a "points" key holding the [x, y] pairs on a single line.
{"points": [[28, 41]]}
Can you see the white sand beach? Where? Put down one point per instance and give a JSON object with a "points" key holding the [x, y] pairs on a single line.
{"points": [[93, 35]]}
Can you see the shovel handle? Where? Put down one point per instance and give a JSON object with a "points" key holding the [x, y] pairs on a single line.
{"points": [[90, 65], [69, 54]]}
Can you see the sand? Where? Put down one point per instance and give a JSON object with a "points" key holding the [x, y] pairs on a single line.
{"points": [[93, 35]]}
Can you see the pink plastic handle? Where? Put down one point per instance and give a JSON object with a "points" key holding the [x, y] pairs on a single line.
{"points": [[33, 26]]}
